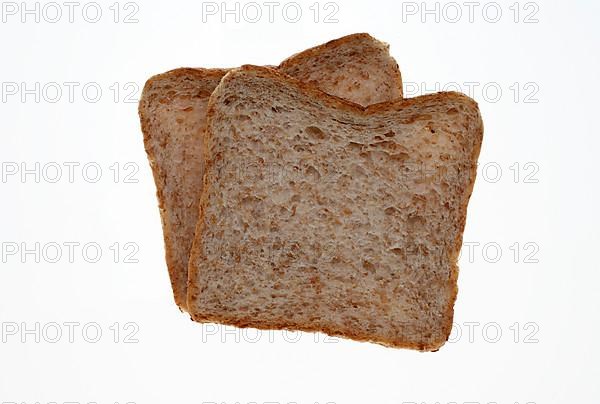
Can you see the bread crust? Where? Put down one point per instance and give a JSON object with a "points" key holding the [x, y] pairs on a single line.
{"points": [[150, 94], [347, 42], [160, 89], [284, 81]]}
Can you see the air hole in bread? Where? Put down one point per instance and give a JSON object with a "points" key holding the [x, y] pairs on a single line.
{"points": [[314, 132]]}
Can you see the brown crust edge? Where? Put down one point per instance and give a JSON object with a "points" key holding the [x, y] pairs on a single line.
{"points": [[359, 37], [144, 112], [340, 103]]}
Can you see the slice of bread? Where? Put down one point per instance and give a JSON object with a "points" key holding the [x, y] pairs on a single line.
{"points": [[172, 112], [321, 215]]}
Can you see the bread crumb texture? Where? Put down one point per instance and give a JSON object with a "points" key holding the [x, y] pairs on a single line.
{"points": [[321, 215], [173, 116]]}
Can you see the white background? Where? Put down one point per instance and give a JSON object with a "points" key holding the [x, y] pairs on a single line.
{"points": [[544, 301]]}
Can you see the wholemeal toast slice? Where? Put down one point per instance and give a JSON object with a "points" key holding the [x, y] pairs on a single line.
{"points": [[172, 112], [321, 215]]}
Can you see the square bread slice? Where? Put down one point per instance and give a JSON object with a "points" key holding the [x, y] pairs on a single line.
{"points": [[172, 112], [321, 215]]}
